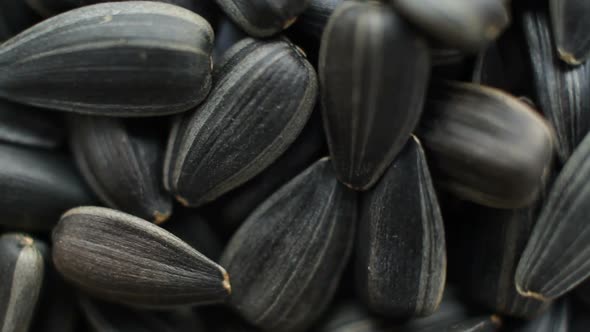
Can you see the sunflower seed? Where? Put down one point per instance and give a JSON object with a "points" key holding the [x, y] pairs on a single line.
{"points": [[554, 260], [309, 224], [401, 257], [464, 24], [314, 19], [29, 126], [115, 318], [122, 166], [261, 18], [263, 94], [568, 20], [22, 266], [151, 69], [366, 49], [227, 35], [37, 187], [556, 319], [485, 145], [191, 228], [492, 242], [122, 258], [234, 207], [560, 90]]}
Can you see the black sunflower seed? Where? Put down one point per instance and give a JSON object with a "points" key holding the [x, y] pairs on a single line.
{"points": [[37, 187], [122, 166], [309, 226], [22, 266], [263, 94], [401, 257], [261, 18], [485, 145], [125, 259], [103, 59], [366, 50]]}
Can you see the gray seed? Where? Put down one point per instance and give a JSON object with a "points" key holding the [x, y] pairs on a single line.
{"points": [[401, 256], [485, 145], [263, 94], [21, 278], [366, 50], [568, 20], [464, 24], [263, 18], [37, 187], [561, 90], [122, 258], [314, 19], [555, 259], [124, 168], [20, 124], [104, 317], [104, 59], [309, 225]]}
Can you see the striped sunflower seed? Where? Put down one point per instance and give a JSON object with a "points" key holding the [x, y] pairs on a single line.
{"points": [[29, 126], [560, 89], [22, 266], [105, 60], [125, 259], [366, 50], [261, 18], [37, 187], [465, 24], [104, 317], [309, 224], [263, 94], [568, 20], [554, 260], [485, 145], [123, 166], [401, 256]]}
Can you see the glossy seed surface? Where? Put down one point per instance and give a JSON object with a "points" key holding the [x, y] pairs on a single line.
{"points": [[103, 59], [309, 224], [122, 258], [366, 50]]}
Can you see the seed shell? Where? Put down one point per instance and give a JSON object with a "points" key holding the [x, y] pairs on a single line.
{"points": [[400, 255], [37, 187], [560, 89], [122, 166], [555, 259], [485, 145], [314, 19], [24, 125], [262, 18], [309, 224], [151, 69], [366, 50], [121, 258], [556, 319], [465, 24], [568, 20], [263, 94], [22, 266]]}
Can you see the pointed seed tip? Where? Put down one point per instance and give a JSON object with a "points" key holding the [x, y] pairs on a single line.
{"points": [[531, 295], [26, 240], [160, 217], [496, 320], [568, 57], [225, 282], [289, 22], [182, 200]]}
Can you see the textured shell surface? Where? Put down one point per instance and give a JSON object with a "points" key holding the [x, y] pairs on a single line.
{"points": [[466, 24], [287, 258], [21, 277], [37, 187], [263, 18], [263, 94], [121, 258], [555, 258], [401, 255], [374, 70], [568, 20], [118, 59], [561, 90], [123, 168], [485, 145]]}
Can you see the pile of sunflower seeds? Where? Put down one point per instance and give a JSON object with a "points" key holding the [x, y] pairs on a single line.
{"points": [[294, 166]]}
